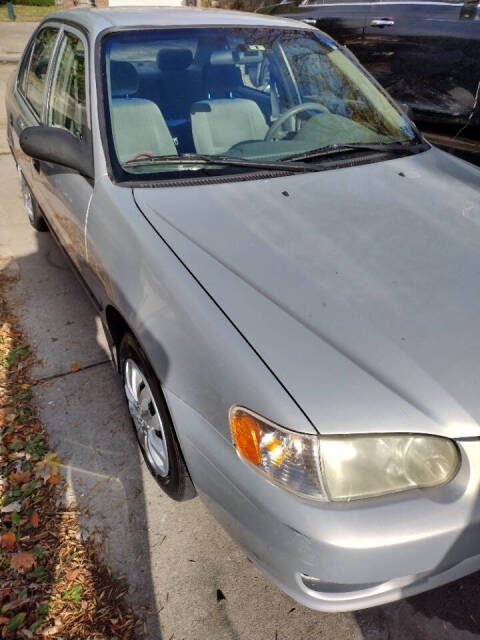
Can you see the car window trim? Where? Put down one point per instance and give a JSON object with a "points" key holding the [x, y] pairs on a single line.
{"points": [[51, 68], [30, 48], [24, 66]]}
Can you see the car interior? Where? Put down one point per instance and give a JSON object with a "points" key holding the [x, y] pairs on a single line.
{"points": [[182, 107], [207, 98]]}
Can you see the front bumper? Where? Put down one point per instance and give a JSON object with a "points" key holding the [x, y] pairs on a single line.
{"points": [[360, 554]]}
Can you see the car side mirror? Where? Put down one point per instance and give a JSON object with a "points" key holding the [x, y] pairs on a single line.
{"points": [[59, 146]]}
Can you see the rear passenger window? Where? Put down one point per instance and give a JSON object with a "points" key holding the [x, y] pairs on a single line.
{"points": [[67, 106], [34, 82]]}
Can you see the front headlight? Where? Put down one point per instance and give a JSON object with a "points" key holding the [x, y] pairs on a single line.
{"points": [[342, 467]]}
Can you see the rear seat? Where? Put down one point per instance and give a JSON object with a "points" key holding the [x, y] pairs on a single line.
{"points": [[221, 81], [180, 83], [174, 85]]}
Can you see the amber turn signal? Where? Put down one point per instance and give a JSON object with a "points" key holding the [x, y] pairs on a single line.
{"points": [[246, 434]]}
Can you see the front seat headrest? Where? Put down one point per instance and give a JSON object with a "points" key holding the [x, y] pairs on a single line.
{"points": [[123, 79], [174, 59]]}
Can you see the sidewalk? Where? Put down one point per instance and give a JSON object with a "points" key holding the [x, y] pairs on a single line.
{"points": [[5, 71], [13, 38]]}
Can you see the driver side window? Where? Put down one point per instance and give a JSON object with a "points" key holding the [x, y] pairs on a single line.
{"points": [[67, 106]]}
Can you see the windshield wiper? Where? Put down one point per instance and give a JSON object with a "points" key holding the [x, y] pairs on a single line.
{"points": [[293, 163], [382, 147], [202, 158]]}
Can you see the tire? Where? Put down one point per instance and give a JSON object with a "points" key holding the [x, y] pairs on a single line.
{"points": [[152, 423], [34, 213]]}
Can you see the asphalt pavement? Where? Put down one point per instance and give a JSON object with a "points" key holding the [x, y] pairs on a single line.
{"points": [[175, 556]]}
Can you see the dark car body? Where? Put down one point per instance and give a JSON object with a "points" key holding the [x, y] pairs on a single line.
{"points": [[425, 53]]}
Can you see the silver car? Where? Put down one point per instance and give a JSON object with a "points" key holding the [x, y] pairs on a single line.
{"points": [[289, 278]]}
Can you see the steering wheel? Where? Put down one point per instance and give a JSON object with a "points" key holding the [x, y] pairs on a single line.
{"points": [[305, 106]]}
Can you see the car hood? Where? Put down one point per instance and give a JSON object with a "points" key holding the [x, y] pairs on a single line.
{"points": [[358, 287]]}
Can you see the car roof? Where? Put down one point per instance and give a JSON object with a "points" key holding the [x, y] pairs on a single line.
{"points": [[96, 20]]}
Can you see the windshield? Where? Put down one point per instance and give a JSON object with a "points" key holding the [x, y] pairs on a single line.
{"points": [[251, 93]]}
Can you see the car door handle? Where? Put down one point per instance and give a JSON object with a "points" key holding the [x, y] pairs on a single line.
{"points": [[382, 22]]}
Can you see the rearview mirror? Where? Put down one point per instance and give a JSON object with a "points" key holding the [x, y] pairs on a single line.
{"points": [[52, 144], [469, 10], [407, 110]]}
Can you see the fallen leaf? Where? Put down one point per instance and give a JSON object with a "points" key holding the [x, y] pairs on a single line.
{"points": [[37, 426], [75, 366], [74, 594], [16, 621], [54, 629], [37, 624], [8, 541], [3, 620], [48, 466], [54, 479], [13, 506], [34, 519], [72, 574], [39, 572], [23, 560], [17, 478], [6, 591]]}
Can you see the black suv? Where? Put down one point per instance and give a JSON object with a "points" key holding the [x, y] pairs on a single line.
{"points": [[425, 53]]}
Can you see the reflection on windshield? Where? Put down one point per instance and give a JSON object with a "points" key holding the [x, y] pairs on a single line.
{"points": [[258, 94]]}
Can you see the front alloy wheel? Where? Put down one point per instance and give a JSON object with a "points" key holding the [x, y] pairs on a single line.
{"points": [[146, 418], [151, 420]]}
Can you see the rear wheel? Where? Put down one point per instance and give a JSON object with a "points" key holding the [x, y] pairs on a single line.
{"points": [[32, 208], [152, 423]]}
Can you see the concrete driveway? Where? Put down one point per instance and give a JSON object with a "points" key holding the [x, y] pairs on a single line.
{"points": [[13, 38], [175, 556]]}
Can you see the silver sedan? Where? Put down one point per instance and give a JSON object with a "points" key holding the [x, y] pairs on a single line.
{"points": [[289, 278]]}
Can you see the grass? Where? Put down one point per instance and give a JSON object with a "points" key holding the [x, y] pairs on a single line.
{"points": [[26, 14]]}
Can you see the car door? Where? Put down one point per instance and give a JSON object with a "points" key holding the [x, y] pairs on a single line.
{"points": [[29, 96], [65, 194], [426, 55], [343, 20]]}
